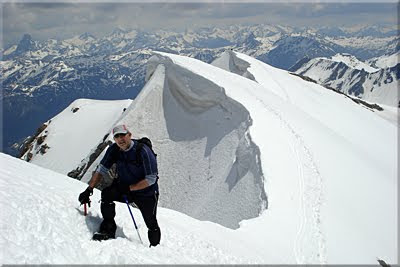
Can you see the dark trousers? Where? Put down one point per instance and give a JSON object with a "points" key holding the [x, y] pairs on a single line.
{"points": [[146, 201]]}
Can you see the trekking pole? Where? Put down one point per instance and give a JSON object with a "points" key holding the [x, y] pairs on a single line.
{"points": [[133, 219]]}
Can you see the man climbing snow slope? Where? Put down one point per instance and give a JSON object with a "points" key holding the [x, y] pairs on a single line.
{"points": [[136, 182]]}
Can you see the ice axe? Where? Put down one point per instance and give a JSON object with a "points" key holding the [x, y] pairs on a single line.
{"points": [[85, 208]]}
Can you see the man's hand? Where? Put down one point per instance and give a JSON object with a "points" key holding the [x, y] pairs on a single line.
{"points": [[84, 196]]}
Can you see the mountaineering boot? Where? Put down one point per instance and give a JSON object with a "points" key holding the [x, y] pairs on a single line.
{"points": [[99, 236], [154, 237], [107, 231]]}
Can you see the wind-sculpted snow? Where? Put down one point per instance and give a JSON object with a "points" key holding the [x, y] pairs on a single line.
{"points": [[229, 61], [209, 167]]}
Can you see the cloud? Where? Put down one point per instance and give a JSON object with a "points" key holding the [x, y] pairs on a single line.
{"points": [[63, 20]]}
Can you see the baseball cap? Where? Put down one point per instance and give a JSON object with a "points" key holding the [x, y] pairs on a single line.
{"points": [[120, 129]]}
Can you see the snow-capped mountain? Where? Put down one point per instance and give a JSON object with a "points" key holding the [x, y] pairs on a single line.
{"points": [[42, 78], [353, 62], [267, 155], [347, 74]]}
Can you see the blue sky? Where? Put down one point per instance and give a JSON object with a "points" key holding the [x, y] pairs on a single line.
{"points": [[63, 20]]}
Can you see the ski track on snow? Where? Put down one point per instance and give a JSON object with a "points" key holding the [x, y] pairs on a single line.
{"points": [[308, 248]]}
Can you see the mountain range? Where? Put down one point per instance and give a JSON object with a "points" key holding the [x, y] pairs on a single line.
{"points": [[41, 78]]}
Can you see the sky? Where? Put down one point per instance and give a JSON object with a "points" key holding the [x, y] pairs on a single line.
{"points": [[60, 20]]}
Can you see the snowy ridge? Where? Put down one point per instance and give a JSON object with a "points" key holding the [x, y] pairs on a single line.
{"points": [[74, 132], [348, 75], [313, 176], [353, 62]]}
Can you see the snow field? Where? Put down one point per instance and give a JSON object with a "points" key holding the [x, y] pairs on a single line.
{"points": [[42, 223]]}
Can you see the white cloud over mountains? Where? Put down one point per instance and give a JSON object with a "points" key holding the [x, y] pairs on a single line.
{"points": [[66, 19]]}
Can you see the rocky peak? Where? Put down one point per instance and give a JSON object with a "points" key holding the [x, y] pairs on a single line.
{"points": [[26, 44], [251, 41], [86, 37]]}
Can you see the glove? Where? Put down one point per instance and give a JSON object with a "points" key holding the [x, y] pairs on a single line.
{"points": [[84, 196]]}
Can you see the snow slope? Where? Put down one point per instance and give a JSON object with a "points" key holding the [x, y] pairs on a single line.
{"points": [[349, 151], [71, 135], [297, 170], [42, 223]]}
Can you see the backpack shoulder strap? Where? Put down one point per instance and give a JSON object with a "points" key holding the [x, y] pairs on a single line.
{"points": [[139, 148]]}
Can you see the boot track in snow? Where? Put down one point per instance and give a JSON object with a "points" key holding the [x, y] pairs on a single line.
{"points": [[307, 247]]}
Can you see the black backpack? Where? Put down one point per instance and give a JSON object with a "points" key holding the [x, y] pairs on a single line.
{"points": [[143, 141]]}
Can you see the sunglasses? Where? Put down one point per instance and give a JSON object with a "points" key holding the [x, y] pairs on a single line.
{"points": [[120, 135]]}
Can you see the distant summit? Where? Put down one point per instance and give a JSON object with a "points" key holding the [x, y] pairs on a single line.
{"points": [[87, 37], [26, 44], [251, 42], [119, 31]]}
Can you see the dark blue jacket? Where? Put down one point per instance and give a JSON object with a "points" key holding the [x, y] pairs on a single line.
{"points": [[129, 172]]}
